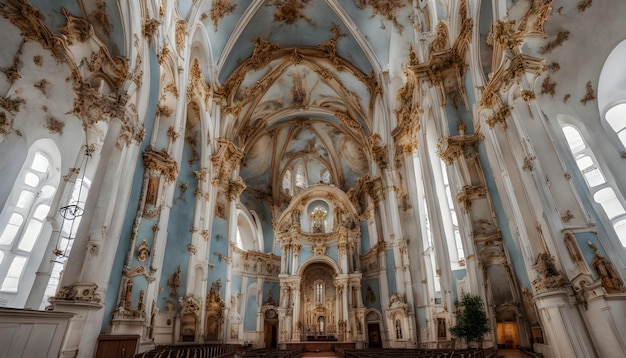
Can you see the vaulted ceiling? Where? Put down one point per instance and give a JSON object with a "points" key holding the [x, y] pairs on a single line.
{"points": [[300, 77]]}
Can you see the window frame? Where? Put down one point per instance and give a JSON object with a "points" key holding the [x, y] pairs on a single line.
{"points": [[14, 250], [580, 149]]}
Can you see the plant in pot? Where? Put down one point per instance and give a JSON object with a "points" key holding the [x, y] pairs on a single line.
{"points": [[471, 320]]}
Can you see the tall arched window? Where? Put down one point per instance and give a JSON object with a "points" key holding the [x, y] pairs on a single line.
{"points": [[300, 180], [601, 190], [249, 236], [23, 220], [287, 187], [319, 292], [616, 118], [458, 244]]}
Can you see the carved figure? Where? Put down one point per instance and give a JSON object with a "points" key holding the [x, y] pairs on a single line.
{"points": [[143, 251], [611, 281], [152, 190], [174, 282], [128, 297], [370, 296]]}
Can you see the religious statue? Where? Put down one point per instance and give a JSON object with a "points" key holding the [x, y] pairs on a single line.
{"points": [[370, 296], [151, 191], [318, 220], [284, 296], [128, 297], [610, 280], [174, 282], [140, 305], [295, 218]]}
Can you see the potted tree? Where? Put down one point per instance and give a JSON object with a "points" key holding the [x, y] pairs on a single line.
{"points": [[471, 320]]}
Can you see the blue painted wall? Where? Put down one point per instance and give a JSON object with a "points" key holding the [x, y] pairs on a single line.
{"points": [[333, 253], [457, 113], [179, 225], [582, 239], [235, 284], [219, 245], [274, 288], [249, 320], [365, 237], [375, 285], [457, 275], [305, 253], [391, 274], [184, 7]]}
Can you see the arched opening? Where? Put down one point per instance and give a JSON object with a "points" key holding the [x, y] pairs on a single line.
{"points": [[319, 302]]}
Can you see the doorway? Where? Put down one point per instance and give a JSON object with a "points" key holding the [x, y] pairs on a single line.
{"points": [[373, 334], [507, 335], [271, 335]]}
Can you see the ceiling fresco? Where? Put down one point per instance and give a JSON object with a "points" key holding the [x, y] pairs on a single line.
{"points": [[282, 63], [362, 29]]}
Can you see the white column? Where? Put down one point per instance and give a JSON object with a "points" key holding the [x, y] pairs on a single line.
{"points": [[295, 290], [88, 270], [565, 330], [295, 257]]}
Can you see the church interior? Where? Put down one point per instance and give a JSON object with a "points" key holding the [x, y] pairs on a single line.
{"points": [[268, 173]]}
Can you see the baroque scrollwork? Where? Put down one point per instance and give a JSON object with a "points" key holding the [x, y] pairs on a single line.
{"points": [[160, 161], [84, 292], [551, 279], [379, 150], [219, 9], [609, 278]]}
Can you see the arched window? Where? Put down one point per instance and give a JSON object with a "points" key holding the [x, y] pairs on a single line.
{"points": [[300, 180], [287, 182], [616, 118], [319, 292], [23, 220], [303, 172], [601, 190], [248, 235], [458, 244]]}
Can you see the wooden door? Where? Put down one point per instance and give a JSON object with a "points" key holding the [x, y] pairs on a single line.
{"points": [[274, 341], [271, 335], [373, 333]]}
